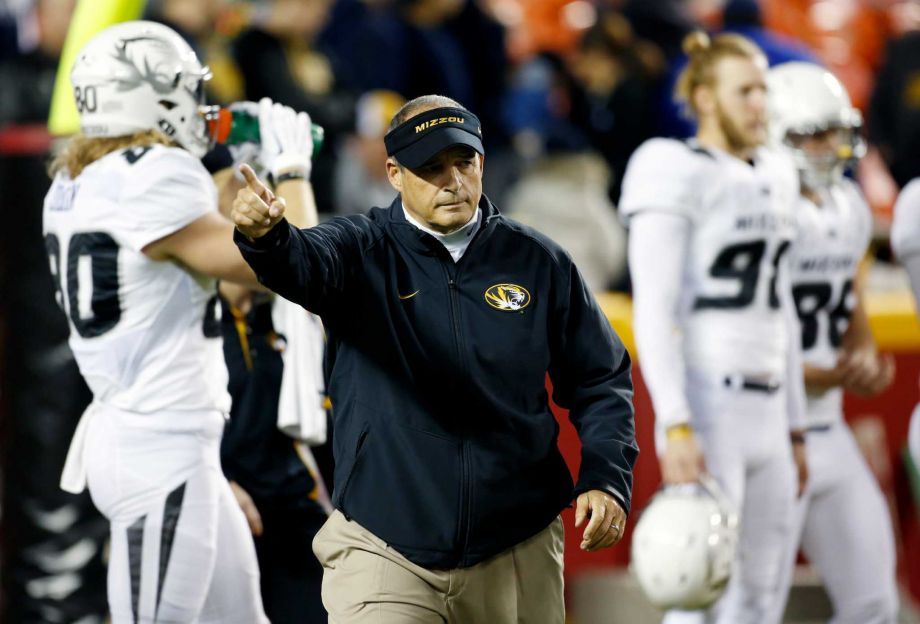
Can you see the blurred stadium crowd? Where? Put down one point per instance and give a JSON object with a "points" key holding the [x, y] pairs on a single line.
{"points": [[566, 91]]}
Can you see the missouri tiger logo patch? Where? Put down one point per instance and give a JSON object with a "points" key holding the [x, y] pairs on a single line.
{"points": [[507, 297]]}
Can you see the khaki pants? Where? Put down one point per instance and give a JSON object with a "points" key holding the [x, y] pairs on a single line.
{"points": [[365, 581]]}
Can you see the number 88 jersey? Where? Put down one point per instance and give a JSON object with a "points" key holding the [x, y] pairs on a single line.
{"points": [[833, 238], [741, 225], [143, 332]]}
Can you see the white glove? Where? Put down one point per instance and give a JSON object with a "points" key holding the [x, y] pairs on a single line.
{"points": [[287, 140]]}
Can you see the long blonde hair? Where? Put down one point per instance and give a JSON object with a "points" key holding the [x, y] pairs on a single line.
{"points": [[703, 54], [81, 150]]}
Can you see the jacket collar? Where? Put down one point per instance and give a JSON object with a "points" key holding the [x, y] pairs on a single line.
{"points": [[423, 242]]}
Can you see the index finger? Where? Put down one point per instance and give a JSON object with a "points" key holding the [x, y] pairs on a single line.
{"points": [[253, 182], [605, 532], [598, 511]]}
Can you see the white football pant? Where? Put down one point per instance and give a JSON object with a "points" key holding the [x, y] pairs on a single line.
{"points": [[181, 548], [745, 440], [845, 530]]}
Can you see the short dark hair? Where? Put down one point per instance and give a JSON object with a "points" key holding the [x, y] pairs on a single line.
{"points": [[420, 105]]}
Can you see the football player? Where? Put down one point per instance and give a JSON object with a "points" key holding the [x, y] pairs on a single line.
{"points": [[842, 519], [905, 240], [135, 242], [710, 223]]}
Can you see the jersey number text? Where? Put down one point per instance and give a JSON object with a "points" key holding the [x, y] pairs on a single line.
{"points": [[812, 299], [100, 251], [741, 262]]}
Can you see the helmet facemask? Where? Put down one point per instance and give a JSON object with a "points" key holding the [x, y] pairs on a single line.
{"points": [[822, 155], [182, 113]]}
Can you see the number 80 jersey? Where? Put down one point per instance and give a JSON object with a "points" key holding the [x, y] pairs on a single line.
{"points": [[144, 332], [741, 225]]}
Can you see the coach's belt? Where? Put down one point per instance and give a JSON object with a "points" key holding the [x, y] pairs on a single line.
{"points": [[754, 384]]}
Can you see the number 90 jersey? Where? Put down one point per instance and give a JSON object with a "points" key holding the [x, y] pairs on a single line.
{"points": [[144, 332], [824, 259], [741, 225]]}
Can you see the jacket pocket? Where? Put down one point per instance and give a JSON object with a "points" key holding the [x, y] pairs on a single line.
{"points": [[405, 487], [349, 463]]}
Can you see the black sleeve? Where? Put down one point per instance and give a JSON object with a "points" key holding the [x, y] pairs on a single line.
{"points": [[310, 267], [217, 159], [590, 370]]}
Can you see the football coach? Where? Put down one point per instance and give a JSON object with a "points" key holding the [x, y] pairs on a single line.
{"points": [[443, 320]]}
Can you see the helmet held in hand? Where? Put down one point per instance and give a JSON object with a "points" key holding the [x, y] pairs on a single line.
{"points": [[684, 546]]}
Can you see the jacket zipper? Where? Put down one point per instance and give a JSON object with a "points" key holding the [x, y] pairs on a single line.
{"points": [[466, 481], [465, 477]]}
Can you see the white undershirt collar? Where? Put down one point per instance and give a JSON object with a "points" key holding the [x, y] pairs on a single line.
{"points": [[457, 241]]}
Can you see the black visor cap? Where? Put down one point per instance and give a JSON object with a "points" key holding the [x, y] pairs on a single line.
{"points": [[418, 139]]}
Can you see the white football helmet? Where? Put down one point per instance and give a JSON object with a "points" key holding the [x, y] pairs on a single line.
{"points": [[138, 76], [805, 99], [684, 546]]}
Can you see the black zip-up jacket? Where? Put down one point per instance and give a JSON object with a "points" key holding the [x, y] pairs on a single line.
{"points": [[444, 442]]}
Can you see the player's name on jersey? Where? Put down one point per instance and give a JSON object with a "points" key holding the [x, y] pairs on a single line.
{"points": [[765, 222], [825, 263], [61, 197]]}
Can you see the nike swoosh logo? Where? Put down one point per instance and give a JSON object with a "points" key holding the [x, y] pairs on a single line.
{"points": [[404, 297]]}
